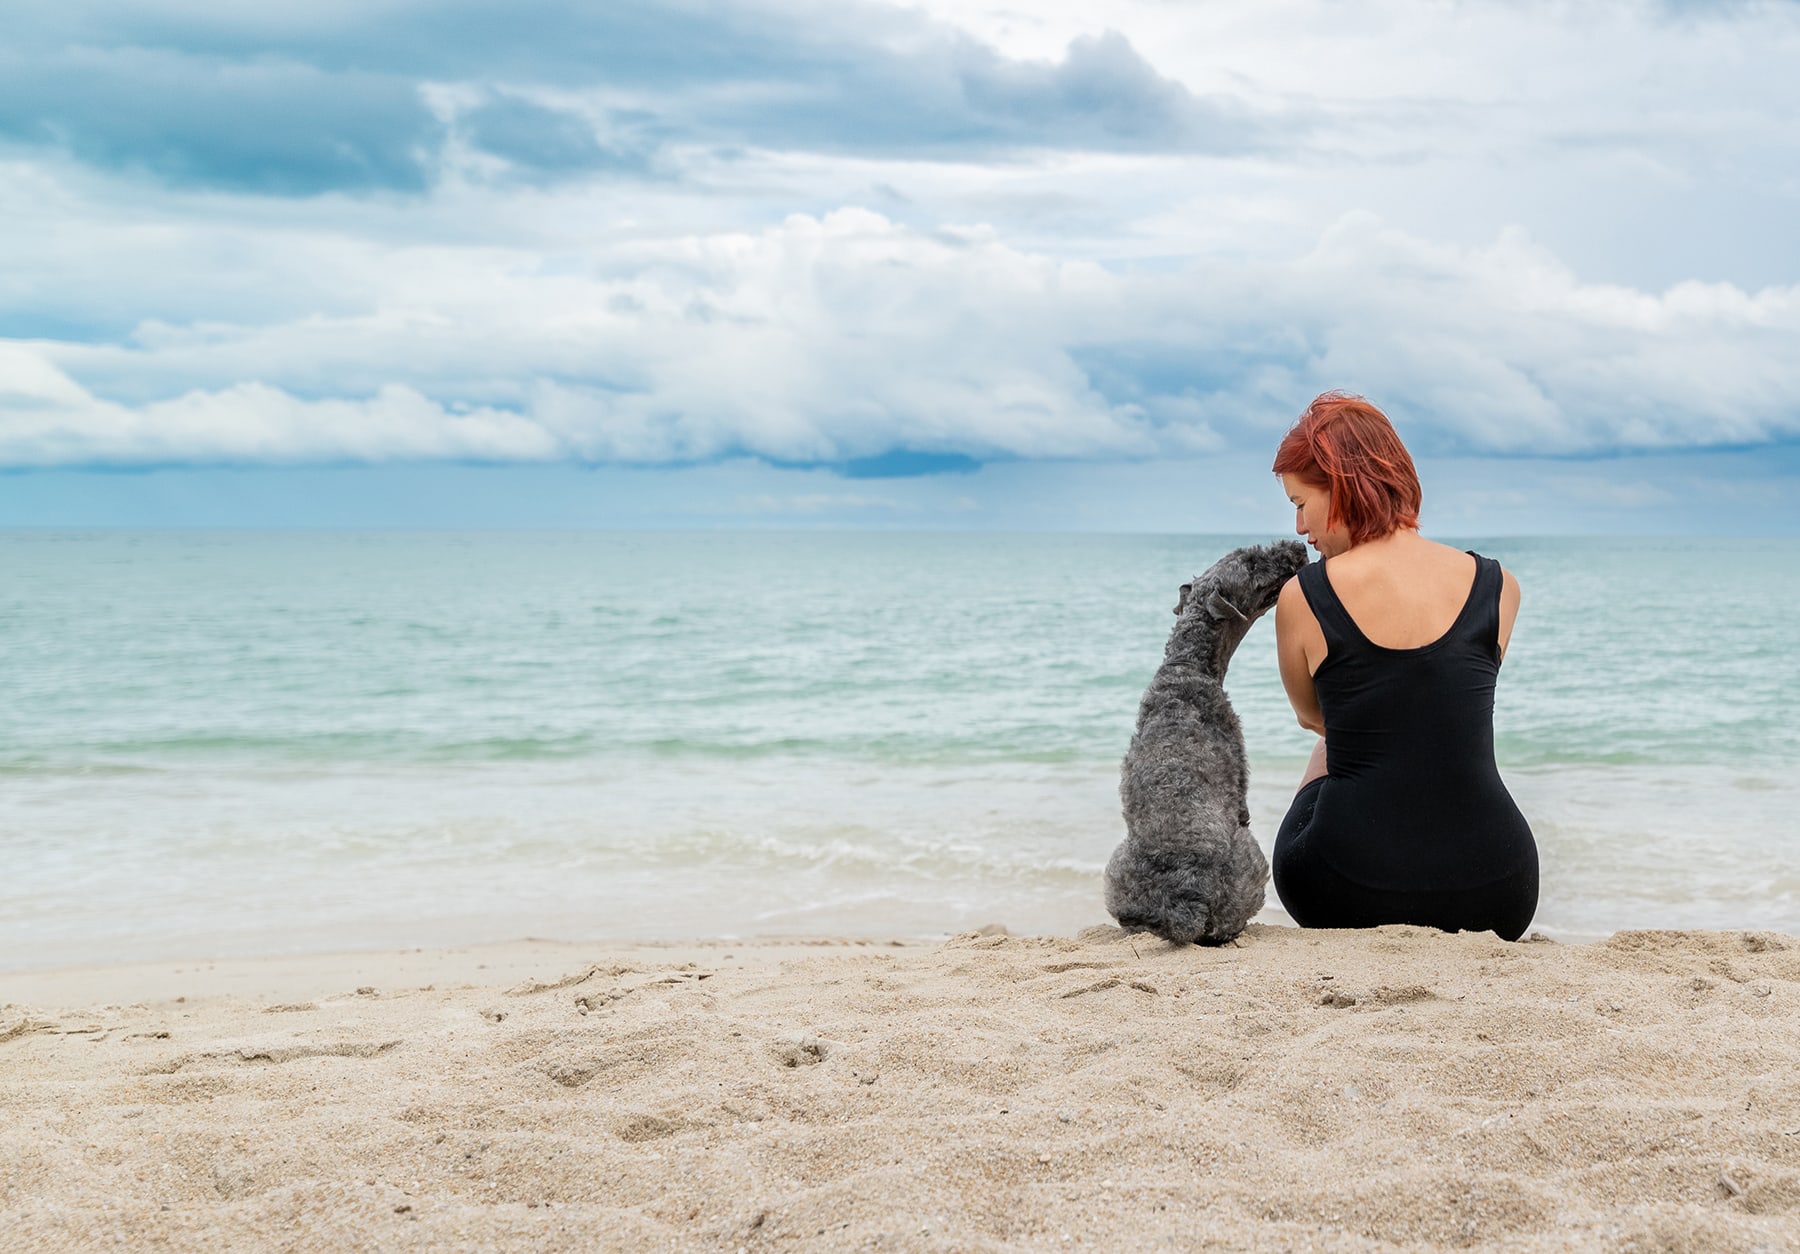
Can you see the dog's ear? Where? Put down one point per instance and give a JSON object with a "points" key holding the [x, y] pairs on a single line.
{"points": [[1220, 608], [1181, 602]]}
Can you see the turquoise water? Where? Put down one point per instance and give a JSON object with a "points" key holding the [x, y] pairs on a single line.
{"points": [[219, 742]]}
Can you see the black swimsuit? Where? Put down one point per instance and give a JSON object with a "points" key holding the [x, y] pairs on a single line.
{"points": [[1412, 824]]}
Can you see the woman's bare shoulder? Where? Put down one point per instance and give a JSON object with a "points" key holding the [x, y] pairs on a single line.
{"points": [[1509, 582], [1441, 549], [1509, 588], [1454, 564], [1291, 604], [1405, 557]]}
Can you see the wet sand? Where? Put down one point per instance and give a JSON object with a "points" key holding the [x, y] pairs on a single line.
{"points": [[1391, 1089]]}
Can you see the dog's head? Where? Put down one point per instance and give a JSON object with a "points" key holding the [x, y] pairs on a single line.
{"points": [[1217, 607], [1244, 584]]}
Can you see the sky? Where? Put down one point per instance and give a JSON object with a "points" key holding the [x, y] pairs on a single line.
{"points": [[917, 265]]}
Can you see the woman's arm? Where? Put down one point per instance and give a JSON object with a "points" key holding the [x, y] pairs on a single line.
{"points": [[1295, 628], [1509, 607]]}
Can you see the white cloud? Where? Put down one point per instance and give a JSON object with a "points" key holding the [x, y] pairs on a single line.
{"points": [[1505, 348], [816, 340], [826, 339], [47, 419]]}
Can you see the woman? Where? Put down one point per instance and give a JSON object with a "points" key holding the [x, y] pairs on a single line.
{"points": [[1389, 649]]}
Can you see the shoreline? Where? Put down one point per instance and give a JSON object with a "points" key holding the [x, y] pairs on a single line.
{"points": [[1394, 1088], [492, 964], [319, 972], [464, 962]]}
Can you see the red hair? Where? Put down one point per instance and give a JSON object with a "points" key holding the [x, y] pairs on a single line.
{"points": [[1345, 444]]}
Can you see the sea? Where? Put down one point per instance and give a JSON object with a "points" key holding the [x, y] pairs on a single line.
{"points": [[217, 743]]}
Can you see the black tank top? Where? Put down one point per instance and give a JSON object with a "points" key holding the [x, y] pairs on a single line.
{"points": [[1413, 801]]}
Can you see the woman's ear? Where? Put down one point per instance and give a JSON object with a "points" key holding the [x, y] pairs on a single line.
{"points": [[1182, 600]]}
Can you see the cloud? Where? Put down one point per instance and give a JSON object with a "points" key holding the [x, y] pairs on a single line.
{"points": [[1102, 85], [47, 419], [819, 341], [1502, 348], [950, 97], [542, 140], [278, 128], [287, 103], [904, 463], [856, 342]]}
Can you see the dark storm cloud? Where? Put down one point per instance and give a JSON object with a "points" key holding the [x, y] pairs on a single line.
{"points": [[287, 101], [563, 43], [542, 140], [958, 98], [285, 129]]}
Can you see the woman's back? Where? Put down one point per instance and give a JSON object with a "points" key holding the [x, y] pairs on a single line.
{"points": [[1412, 807], [1404, 591]]}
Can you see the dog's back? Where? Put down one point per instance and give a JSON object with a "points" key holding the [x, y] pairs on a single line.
{"points": [[1189, 869]]}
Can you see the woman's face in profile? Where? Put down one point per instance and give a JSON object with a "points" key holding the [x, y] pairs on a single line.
{"points": [[1312, 506]]}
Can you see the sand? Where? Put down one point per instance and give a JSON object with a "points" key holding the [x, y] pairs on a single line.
{"points": [[1391, 1089]]}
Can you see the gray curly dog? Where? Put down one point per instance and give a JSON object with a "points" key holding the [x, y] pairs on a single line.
{"points": [[1189, 870]]}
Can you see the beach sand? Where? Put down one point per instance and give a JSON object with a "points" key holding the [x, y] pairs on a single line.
{"points": [[1390, 1089]]}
